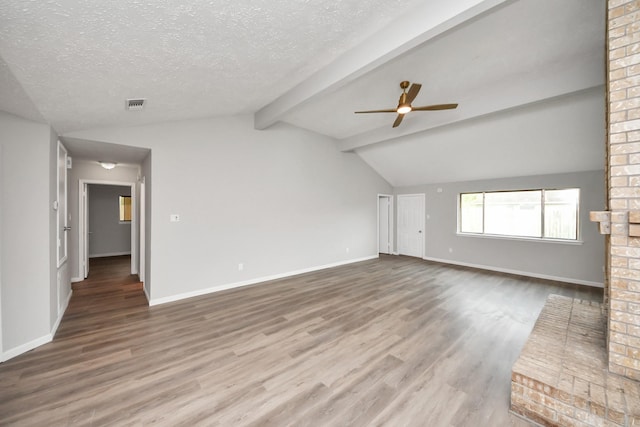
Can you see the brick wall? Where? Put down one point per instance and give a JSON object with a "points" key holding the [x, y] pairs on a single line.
{"points": [[623, 287]]}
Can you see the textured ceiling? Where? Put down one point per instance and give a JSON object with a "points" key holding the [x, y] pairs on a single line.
{"points": [[78, 60], [72, 64], [13, 99]]}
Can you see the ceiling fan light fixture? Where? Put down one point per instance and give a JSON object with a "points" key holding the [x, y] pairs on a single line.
{"points": [[108, 165], [403, 108], [404, 103]]}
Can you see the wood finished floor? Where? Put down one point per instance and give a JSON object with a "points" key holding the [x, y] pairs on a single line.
{"points": [[389, 342]]}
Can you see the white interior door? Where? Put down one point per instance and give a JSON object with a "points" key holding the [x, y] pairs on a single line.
{"points": [[85, 230], [61, 205], [411, 225], [1, 197], [384, 224], [142, 223], [134, 232]]}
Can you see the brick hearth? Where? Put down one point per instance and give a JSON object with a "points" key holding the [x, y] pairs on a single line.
{"points": [[561, 377]]}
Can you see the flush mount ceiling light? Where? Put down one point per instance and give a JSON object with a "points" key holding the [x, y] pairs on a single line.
{"points": [[107, 165]]}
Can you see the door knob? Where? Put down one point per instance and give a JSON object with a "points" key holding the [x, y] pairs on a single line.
{"points": [[419, 231], [67, 228]]}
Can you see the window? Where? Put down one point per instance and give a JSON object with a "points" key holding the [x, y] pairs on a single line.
{"points": [[544, 214], [125, 208]]}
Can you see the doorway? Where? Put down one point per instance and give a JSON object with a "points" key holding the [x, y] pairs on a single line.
{"points": [[84, 232], [411, 208], [385, 224]]}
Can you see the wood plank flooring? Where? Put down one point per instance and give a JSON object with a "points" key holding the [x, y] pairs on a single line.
{"points": [[390, 342]]}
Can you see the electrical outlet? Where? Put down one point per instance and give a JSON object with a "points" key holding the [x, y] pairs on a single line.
{"points": [[347, 250], [240, 266], [450, 250]]}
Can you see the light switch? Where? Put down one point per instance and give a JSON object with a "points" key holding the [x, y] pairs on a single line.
{"points": [[174, 218]]}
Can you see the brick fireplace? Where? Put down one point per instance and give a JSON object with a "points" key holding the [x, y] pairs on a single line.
{"points": [[581, 365], [623, 281]]}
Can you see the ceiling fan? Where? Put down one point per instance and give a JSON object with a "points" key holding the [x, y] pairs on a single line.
{"points": [[404, 104]]}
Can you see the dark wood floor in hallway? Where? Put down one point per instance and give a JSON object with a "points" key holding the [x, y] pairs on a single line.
{"points": [[395, 341]]}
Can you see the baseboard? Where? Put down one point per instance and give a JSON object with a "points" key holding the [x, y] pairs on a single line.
{"points": [[255, 281], [17, 351], [54, 329], [518, 272], [76, 279], [108, 254]]}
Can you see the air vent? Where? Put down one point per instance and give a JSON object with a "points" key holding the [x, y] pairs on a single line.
{"points": [[135, 104]]}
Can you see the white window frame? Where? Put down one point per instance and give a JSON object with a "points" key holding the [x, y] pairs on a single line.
{"points": [[577, 240]]}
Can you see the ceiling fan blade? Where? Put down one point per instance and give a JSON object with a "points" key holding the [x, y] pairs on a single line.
{"points": [[413, 92], [435, 107], [398, 120], [376, 111]]}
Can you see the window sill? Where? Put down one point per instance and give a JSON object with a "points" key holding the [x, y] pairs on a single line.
{"points": [[522, 239]]}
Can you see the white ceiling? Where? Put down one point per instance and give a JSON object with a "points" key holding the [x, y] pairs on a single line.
{"points": [[503, 58], [529, 140], [72, 63], [98, 151]]}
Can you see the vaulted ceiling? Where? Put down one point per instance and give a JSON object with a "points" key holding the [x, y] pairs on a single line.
{"points": [[72, 64]]}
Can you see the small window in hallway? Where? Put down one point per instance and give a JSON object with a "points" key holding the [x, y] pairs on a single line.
{"points": [[125, 208]]}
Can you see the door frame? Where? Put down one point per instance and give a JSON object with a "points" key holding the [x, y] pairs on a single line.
{"points": [[422, 220], [391, 228], [1, 197], [83, 212], [142, 228]]}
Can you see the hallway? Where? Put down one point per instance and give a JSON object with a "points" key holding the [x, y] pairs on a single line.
{"points": [[100, 298]]}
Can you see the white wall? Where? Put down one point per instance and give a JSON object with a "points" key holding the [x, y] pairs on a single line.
{"points": [[581, 263], [277, 201], [25, 254], [108, 236], [89, 170]]}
